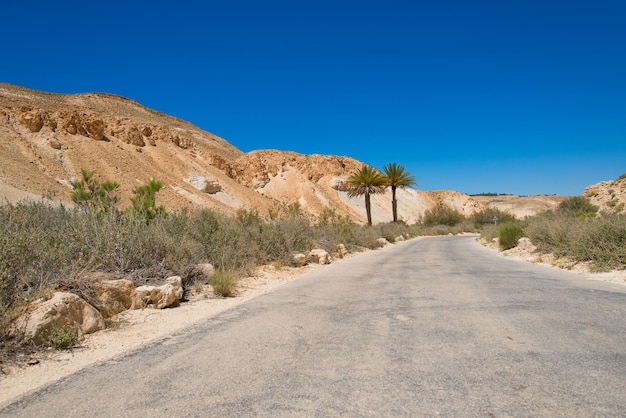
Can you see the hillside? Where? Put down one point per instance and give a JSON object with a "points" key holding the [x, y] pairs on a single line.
{"points": [[609, 196], [46, 139]]}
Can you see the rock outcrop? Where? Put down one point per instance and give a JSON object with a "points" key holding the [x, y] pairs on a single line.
{"points": [[609, 196]]}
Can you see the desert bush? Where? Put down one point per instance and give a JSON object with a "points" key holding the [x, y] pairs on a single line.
{"points": [[224, 283], [489, 216], [600, 240], [579, 206], [508, 234], [442, 214], [61, 337]]}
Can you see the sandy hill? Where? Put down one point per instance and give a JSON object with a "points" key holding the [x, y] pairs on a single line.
{"points": [[46, 139]]}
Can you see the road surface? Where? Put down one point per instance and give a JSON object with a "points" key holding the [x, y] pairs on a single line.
{"points": [[430, 327]]}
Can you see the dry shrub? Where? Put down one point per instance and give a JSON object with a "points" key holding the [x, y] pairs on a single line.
{"points": [[600, 240]]}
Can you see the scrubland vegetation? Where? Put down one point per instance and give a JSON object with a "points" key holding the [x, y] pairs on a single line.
{"points": [[45, 248], [575, 231]]}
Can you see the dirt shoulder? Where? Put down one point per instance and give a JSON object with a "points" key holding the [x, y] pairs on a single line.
{"points": [[134, 329], [526, 251]]}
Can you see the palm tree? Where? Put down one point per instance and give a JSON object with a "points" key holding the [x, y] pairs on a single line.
{"points": [[397, 177], [365, 182]]}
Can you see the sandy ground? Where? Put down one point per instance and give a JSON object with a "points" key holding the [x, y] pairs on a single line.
{"points": [[135, 329]]}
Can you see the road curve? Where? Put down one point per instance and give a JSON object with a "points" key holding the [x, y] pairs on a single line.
{"points": [[429, 327]]}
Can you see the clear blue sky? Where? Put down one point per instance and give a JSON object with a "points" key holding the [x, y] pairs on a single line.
{"points": [[515, 96]]}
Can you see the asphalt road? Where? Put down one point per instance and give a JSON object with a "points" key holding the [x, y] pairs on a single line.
{"points": [[430, 327]]}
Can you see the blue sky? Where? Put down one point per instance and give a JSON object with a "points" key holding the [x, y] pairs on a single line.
{"points": [[522, 97]]}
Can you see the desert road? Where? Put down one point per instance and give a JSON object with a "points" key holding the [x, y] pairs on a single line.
{"points": [[430, 327]]}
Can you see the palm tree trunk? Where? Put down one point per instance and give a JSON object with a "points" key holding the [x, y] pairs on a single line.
{"points": [[368, 208], [394, 204]]}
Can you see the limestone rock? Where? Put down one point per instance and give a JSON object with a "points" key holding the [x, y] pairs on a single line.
{"points": [[203, 184], [298, 260], [382, 242], [116, 296], [207, 269], [338, 183], [319, 256], [340, 251], [163, 296], [61, 309]]}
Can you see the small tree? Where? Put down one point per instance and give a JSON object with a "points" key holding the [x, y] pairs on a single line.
{"points": [[397, 177], [365, 182], [92, 195], [144, 201]]}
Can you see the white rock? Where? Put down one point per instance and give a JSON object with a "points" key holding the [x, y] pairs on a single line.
{"points": [[163, 296], [319, 256], [382, 242], [340, 251], [205, 185], [298, 260], [207, 269]]}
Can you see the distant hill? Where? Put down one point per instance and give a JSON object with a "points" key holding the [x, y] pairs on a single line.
{"points": [[46, 139]]}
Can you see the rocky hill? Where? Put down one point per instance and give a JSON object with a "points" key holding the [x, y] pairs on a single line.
{"points": [[46, 139], [609, 196]]}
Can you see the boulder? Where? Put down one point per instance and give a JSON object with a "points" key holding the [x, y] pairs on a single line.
{"points": [[319, 256], [340, 251], [203, 184], [159, 297], [298, 260], [95, 129], [207, 269], [382, 242], [116, 296], [134, 137], [61, 309], [34, 122]]}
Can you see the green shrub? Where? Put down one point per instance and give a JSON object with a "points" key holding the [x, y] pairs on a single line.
{"points": [[61, 337], [508, 234], [144, 201], [489, 216], [224, 283], [92, 195], [579, 206], [442, 214]]}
